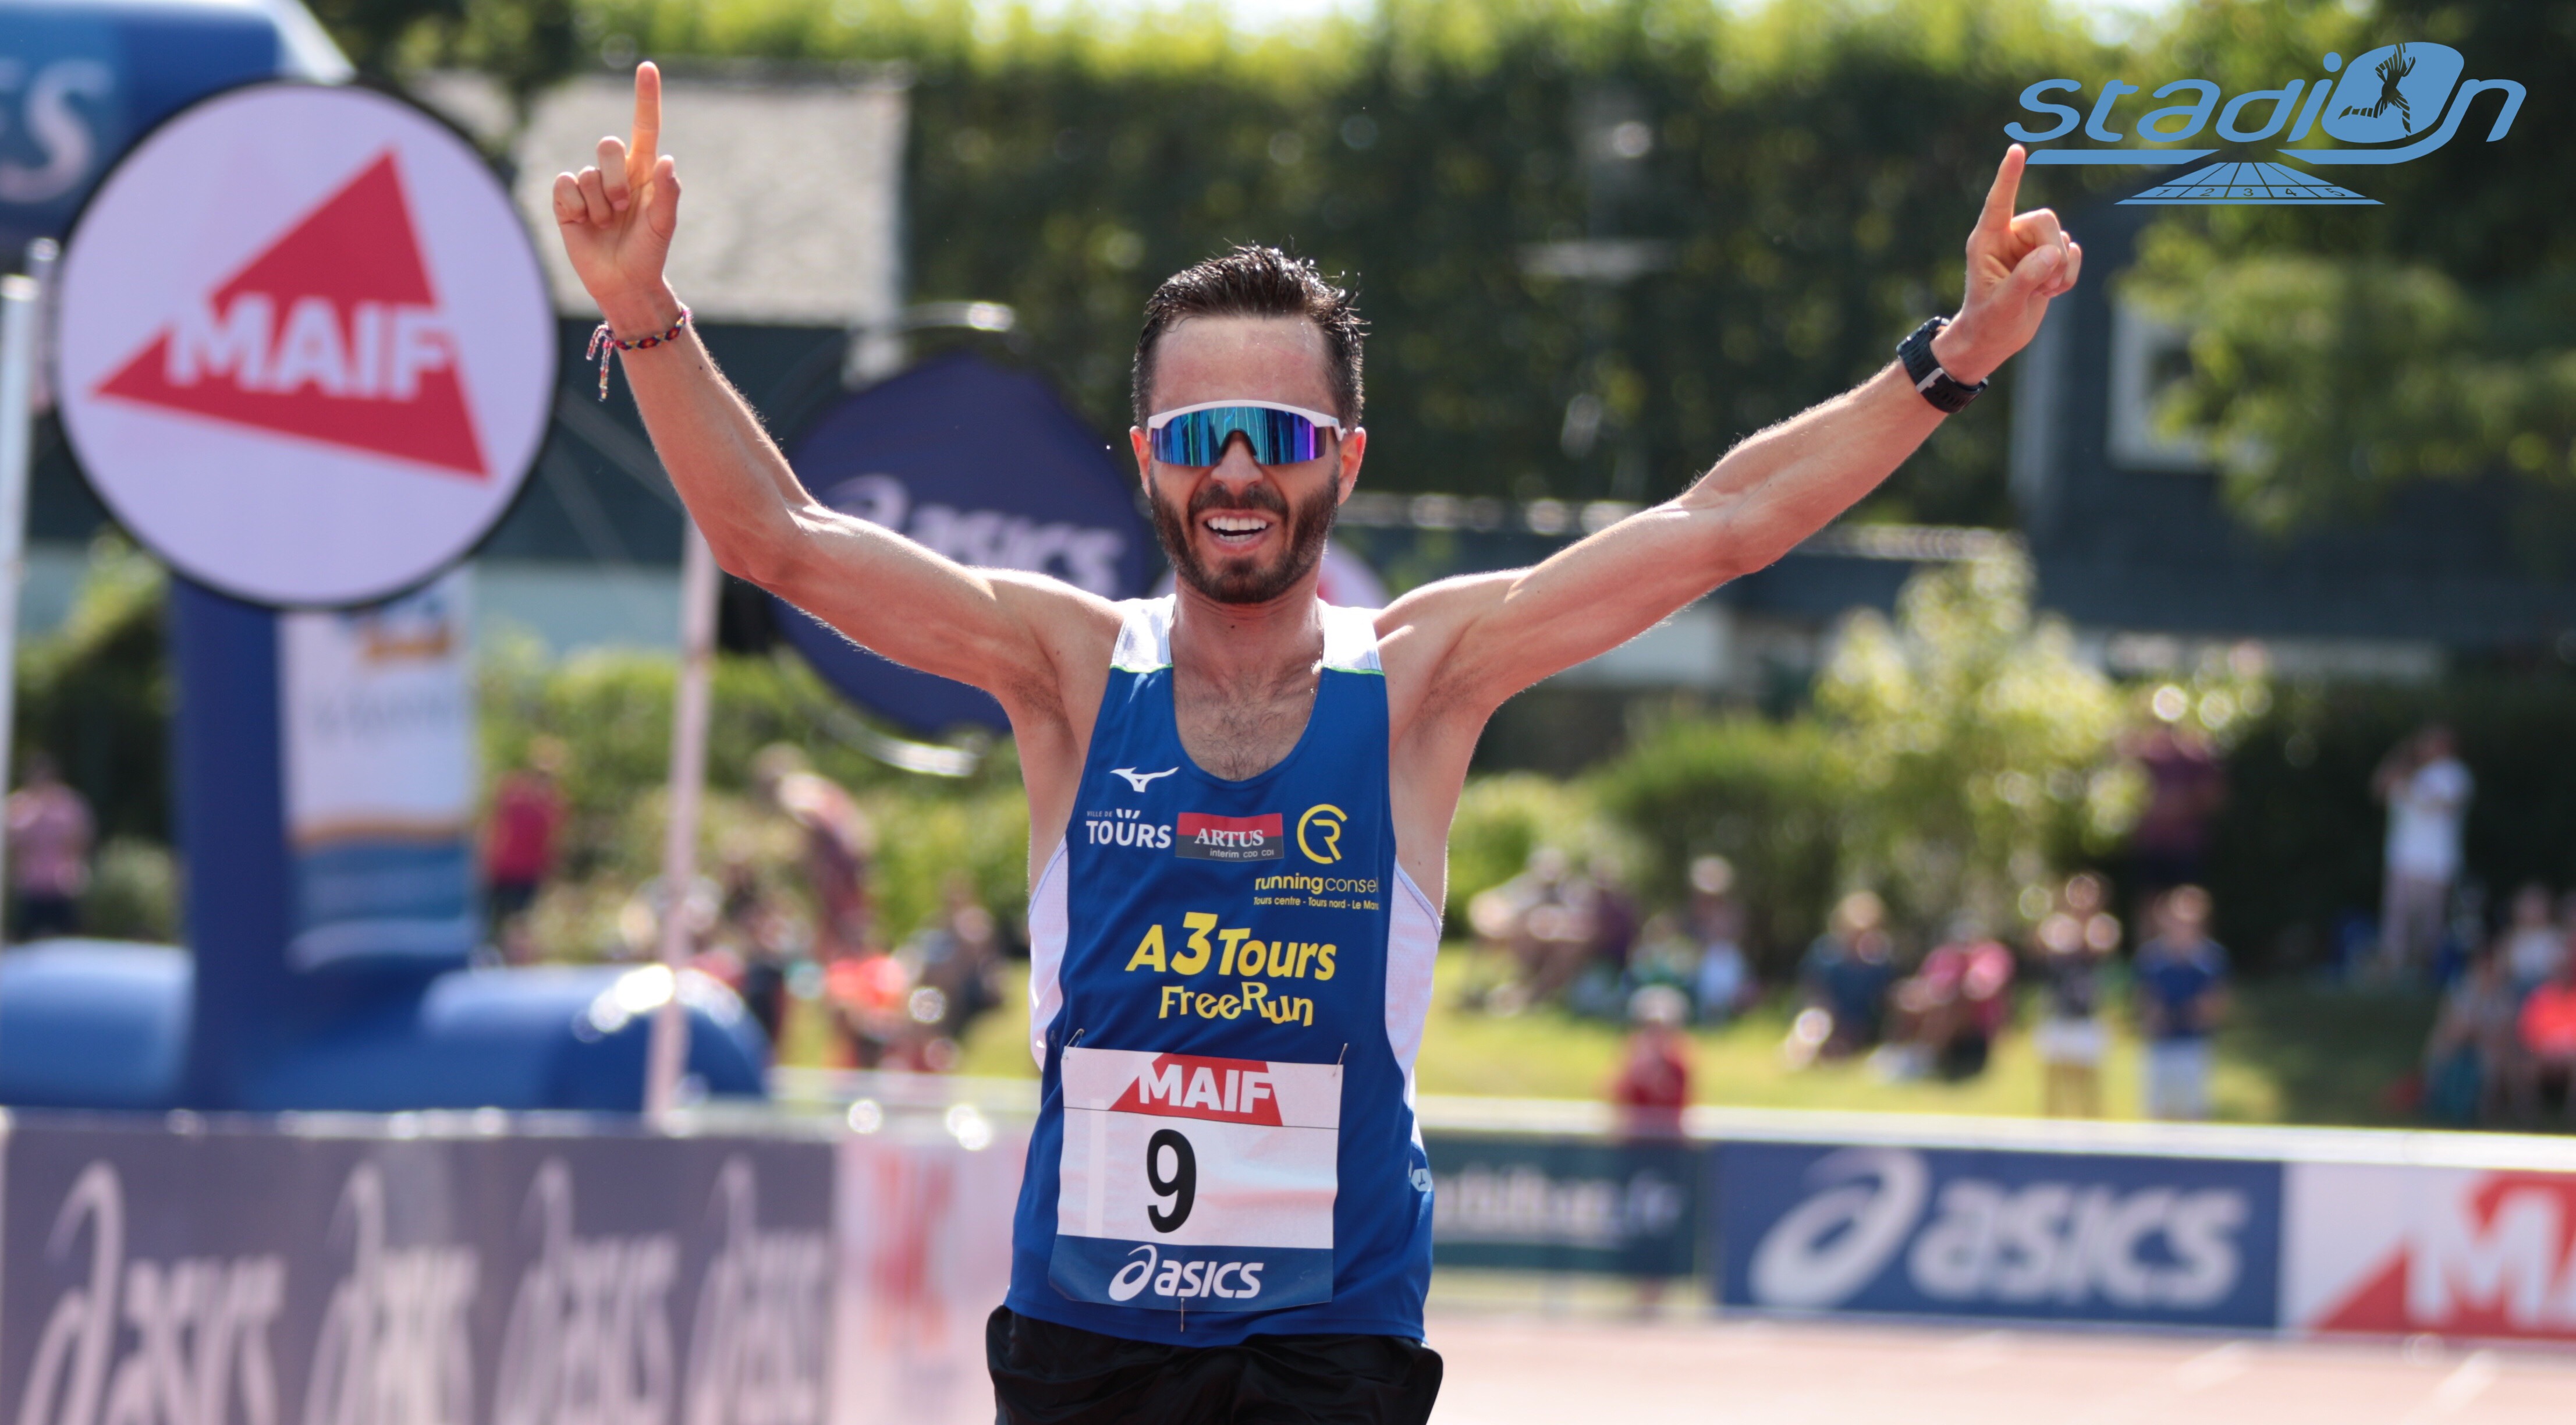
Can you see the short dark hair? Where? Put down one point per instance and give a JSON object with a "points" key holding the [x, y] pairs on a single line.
{"points": [[1256, 281]]}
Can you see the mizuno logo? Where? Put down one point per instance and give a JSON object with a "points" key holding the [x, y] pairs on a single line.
{"points": [[1138, 779]]}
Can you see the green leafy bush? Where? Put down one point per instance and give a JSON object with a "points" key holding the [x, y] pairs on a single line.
{"points": [[1502, 819], [1956, 757], [1772, 797], [96, 694], [133, 892], [1982, 751]]}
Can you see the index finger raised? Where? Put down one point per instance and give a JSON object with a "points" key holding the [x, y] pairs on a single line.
{"points": [[1999, 199], [648, 115]]}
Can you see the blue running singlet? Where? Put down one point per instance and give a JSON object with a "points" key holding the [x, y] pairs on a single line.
{"points": [[1228, 983]]}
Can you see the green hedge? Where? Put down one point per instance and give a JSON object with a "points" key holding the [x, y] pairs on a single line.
{"points": [[1774, 798]]}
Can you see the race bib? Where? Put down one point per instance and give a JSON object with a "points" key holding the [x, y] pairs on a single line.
{"points": [[1195, 1181]]}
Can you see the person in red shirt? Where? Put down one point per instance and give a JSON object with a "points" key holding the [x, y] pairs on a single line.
{"points": [[519, 846], [2547, 1029], [1653, 1086]]}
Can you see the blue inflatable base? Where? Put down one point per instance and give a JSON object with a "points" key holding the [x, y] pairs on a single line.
{"points": [[104, 1025]]}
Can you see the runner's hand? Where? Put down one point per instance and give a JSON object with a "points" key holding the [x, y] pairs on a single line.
{"points": [[2016, 262], [617, 218]]}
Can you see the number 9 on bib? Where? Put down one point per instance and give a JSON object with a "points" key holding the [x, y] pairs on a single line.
{"points": [[1196, 1182]]}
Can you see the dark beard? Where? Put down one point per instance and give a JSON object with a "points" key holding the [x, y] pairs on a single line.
{"points": [[1236, 583]]}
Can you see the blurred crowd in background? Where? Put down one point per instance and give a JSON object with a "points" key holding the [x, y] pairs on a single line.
{"points": [[1571, 937], [1576, 935], [890, 1003]]}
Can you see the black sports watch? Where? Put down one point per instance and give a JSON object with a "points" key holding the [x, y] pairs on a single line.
{"points": [[1948, 394]]}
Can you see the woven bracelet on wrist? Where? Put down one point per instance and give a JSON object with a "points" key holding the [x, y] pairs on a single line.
{"points": [[605, 343]]}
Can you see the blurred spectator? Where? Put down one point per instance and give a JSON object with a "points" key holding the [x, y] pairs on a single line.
{"points": [[2470, 1056], [2186, 786], [2427, 790], [2532, 947], [958, 963], [869, 996], [2546, 1038], [639, 920], [838, 845], [1945, 1016], [1844, 978], [1653, 1086], [2181, 978], [1544, 916], [1615, 920], [1664, 955], [1723, 982], [519, 845], [754, 943], [2071, 1039], [49, 843]]}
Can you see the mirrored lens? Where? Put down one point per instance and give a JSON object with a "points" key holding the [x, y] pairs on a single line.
{"points": [[1200, 437]]}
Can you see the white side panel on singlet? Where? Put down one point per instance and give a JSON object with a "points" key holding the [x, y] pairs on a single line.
{"points": [[1350, 639], [1144, 636], [1049, 924], [1412, 944]]}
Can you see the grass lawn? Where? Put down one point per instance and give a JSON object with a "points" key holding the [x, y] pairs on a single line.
{"points": [[2291, 1053]]}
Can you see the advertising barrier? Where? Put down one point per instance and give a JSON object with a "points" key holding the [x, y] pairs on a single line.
{"points": [[221, 1275], [482, 1269], [2168, 1241], [2403, 1248], [925, 1256], [1551, 1204]]}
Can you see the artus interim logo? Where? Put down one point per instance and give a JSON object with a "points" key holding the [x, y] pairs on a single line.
{"points": [[2392, 104]]}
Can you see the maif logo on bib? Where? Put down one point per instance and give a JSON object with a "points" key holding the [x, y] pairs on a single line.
{"points": [[307, 353], [1196, 1183]]}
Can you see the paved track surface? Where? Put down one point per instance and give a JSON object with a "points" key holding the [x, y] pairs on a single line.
{"points": [[1517, 1369]]}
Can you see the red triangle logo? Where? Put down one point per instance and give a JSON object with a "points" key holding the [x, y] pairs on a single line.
{"points": [[333, 335]]}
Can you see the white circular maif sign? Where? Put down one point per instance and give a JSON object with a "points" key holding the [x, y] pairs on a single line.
{"points": [[306, 353]]}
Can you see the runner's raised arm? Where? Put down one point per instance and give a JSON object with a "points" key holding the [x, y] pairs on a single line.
{"points": [[1004, 632]]}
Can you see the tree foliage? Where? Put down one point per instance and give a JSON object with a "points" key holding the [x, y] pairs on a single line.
{"points": [[1958, 758], [1983, 754], [1806, 176]]}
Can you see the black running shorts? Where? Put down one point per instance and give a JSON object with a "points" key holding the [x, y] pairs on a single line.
{"points": [[1045, 1374]]}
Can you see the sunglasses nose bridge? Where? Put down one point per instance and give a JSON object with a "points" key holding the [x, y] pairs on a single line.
{"points": [[1238, 463]]}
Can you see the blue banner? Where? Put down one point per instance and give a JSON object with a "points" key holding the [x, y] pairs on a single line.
{"points": [[377, 707], [1992, 1233], [987, 466]]}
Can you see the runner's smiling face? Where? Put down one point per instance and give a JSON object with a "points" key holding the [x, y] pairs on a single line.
{"points": [[1237, 531]]}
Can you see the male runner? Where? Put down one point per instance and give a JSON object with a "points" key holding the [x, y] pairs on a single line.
{"points": [[1239, 797]]}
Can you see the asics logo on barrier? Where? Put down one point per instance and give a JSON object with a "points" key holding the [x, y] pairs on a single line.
{"points": [[1180, 1280], [2392, 104], [2067, 1242], [189, 1321]]}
